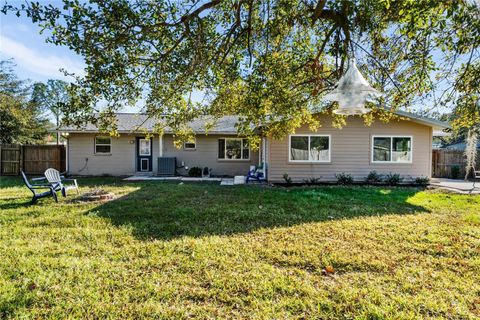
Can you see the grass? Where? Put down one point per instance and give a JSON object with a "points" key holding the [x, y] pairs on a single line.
{"points": [[165, 250]]}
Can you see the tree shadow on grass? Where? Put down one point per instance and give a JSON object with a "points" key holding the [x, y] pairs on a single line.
{"points": [[169, 210], [14, 205]]}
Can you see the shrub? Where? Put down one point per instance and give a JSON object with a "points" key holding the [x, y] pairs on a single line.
{"points": [[455, 172], [422, 180], [393, 178], [312, 180], [373, 177], [195, 172], [287, 178], [344, 178]]}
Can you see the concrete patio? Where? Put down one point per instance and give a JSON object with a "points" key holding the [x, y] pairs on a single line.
{"points": [[458, 186], [223, 181]]}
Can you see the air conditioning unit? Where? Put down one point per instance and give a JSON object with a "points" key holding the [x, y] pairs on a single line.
{"points": [[167, 166]]}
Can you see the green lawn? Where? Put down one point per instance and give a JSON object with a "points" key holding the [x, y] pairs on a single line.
{"points": [[166, 250]]}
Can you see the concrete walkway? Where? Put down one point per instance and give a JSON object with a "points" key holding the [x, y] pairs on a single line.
{"points": [[223, 181], [176, 178], [458, 186]]}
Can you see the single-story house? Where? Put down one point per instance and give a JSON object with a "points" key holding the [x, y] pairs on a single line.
{"points": [[399, 146]]}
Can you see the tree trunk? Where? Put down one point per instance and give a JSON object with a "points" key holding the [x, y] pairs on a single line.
{"points": [[58, 133]]}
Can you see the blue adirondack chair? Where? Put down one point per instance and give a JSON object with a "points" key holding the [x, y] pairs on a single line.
{"points": [[35, 188]]}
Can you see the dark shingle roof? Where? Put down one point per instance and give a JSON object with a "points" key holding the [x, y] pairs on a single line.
{"points": [[136, 122]]}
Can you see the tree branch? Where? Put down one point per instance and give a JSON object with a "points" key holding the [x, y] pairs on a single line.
{"points": [[318, 10]]}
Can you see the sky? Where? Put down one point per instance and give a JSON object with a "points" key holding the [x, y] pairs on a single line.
{"points": [[36, 60]]}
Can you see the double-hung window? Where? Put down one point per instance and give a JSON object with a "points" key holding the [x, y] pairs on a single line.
{"points": [[392, 149], [309, 148], [103, 145], [233, 149]]}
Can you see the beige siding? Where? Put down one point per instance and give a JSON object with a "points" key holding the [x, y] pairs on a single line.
{"points": [[122, 160], [351, 152], [206, 155], [81, 146]]}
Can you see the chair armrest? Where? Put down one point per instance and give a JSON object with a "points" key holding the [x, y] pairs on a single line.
{"points": [[63, 179], [38, 179], [41, 186]]}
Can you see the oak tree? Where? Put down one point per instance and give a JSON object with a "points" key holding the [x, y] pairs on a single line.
{"points": [[268, 61]]}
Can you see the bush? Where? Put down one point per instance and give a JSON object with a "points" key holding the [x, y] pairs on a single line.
{"points": [[422, 180], [373, 177], [312, 180], [344, 178], [393, 178], [287, 178], [455, 172], [195, 172]]}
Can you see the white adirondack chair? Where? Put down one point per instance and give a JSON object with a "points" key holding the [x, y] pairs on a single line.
{"points": [[57, 181]]}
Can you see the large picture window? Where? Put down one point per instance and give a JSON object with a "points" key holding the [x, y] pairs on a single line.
{"points": [[310, 148], [103, 144], [392, 149], [233, 149]]}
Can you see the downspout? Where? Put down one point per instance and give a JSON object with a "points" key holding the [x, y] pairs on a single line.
{"points": [[260, 153], [67, 154], [430, 168], [160, 145], [264, 156]]}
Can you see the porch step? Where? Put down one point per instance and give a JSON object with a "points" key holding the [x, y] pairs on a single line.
{"points": [[144, 174]]}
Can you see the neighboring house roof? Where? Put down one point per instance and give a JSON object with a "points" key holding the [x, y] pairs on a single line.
{"points": [[459, 146], [128, 122]]}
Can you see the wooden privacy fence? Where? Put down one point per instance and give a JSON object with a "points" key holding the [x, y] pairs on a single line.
{"points": [[449, 163], [32, 159]]}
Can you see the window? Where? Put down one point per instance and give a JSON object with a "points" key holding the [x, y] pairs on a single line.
{"points": [[191, 145], [392, 149], [144, 148], [144, 165], [233, 149], [103, 144], [310, 148]]}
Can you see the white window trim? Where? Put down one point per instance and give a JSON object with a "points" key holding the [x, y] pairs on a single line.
{"points": [[391, 147], [102, 144], [190, 149], [310, 135], [241, 148], [149, 149]]}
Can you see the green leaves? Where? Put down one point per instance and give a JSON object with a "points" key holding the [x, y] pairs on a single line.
{"points": [[269, 61], [21, 119]]}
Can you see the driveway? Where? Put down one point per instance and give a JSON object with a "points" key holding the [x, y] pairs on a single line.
{"points": [[459, 186]]}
